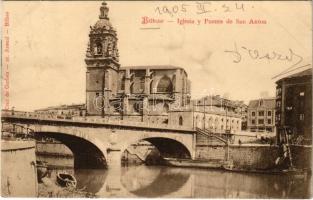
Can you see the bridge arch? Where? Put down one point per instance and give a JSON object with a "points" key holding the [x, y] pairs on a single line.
{"points": [[168, 147], [88, 153]]}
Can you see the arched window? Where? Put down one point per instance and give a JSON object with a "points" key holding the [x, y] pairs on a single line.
{"points": [[211, 123], [99, 48], [166, 108], [165, 85], [174, 81], [122, 82], [117, 106], [184, 85], [180, 120], [152, 90], [132, 88], [137, 107], [142, 84]]}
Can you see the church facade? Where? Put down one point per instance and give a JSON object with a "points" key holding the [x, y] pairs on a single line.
{"points": [[129, 92]]}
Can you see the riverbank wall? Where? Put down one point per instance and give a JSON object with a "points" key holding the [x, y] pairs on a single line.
{"points": [[18, 170], [254, 156], [302, 156], [56, 154], [53, 149], [249, 156]]}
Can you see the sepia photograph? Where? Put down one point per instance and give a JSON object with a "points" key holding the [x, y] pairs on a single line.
{"points": [[156, 99]]}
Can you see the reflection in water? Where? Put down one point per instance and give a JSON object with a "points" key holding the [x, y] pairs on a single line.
{"points": [[221, 184], [90, 180], [132, 184], [161, 181]]}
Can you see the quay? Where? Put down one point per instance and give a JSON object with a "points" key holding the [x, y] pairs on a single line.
{"points": [[18, 169]]}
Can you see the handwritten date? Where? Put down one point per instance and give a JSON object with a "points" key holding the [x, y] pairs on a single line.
{"points": [[199, 8]]}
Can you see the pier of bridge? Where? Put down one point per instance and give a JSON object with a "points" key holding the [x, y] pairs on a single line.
{"points": [[99, 143]]}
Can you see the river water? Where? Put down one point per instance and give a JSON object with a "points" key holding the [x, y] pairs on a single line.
{"points": [[162, 181]]}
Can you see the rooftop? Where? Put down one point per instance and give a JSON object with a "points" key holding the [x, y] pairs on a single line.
{"points": [[62, 107], [265, 103], [217, 100], [307, 72], [151, 67]]}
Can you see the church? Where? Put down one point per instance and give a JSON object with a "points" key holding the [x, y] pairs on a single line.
{"points": [[157, 94], [139, 93]]}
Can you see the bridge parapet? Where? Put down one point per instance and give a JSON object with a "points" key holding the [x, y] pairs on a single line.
{"points": [[105, 121]]}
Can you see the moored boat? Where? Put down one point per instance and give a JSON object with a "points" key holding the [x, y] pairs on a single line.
{"points": [[66, 180], [299, 173], [213, 164]]}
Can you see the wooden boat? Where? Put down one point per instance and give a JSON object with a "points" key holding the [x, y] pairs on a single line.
{"points": [[214, 164], [298, 173], [42, 169], [66, 180]]}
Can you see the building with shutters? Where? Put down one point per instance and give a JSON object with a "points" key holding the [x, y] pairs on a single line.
{"points": [[261, 115], [294, 106]]}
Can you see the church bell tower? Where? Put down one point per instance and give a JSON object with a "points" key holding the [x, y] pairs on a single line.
{"points": [[102, 60]]}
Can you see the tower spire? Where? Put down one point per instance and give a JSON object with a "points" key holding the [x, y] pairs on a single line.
{"points": [[104, 10]]}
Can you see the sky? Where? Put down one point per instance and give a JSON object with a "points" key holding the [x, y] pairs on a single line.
{"points": [[48, 42]]}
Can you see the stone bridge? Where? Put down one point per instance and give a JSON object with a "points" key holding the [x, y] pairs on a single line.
{"points": [[97, 143]]}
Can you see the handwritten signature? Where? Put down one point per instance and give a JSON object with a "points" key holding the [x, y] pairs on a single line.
{"points": [[254, 54]]}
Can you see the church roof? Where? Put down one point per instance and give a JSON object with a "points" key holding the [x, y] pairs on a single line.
{"points": [[103, 23], [151, 67]]}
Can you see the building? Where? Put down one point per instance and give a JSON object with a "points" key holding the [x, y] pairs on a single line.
{"points": [[64, 110], [144, 93], [212, 113], [261, 115], [152, 94], [242, 109], [294, 106]]}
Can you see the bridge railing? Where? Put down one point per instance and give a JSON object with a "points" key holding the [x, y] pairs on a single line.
{"points": [[108, 121]]}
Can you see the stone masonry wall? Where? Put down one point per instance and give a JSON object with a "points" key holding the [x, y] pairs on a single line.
{"points": [[56, 149], [210, 148], [18, 172], [253, 157], [302, 156], [210, 153]]}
